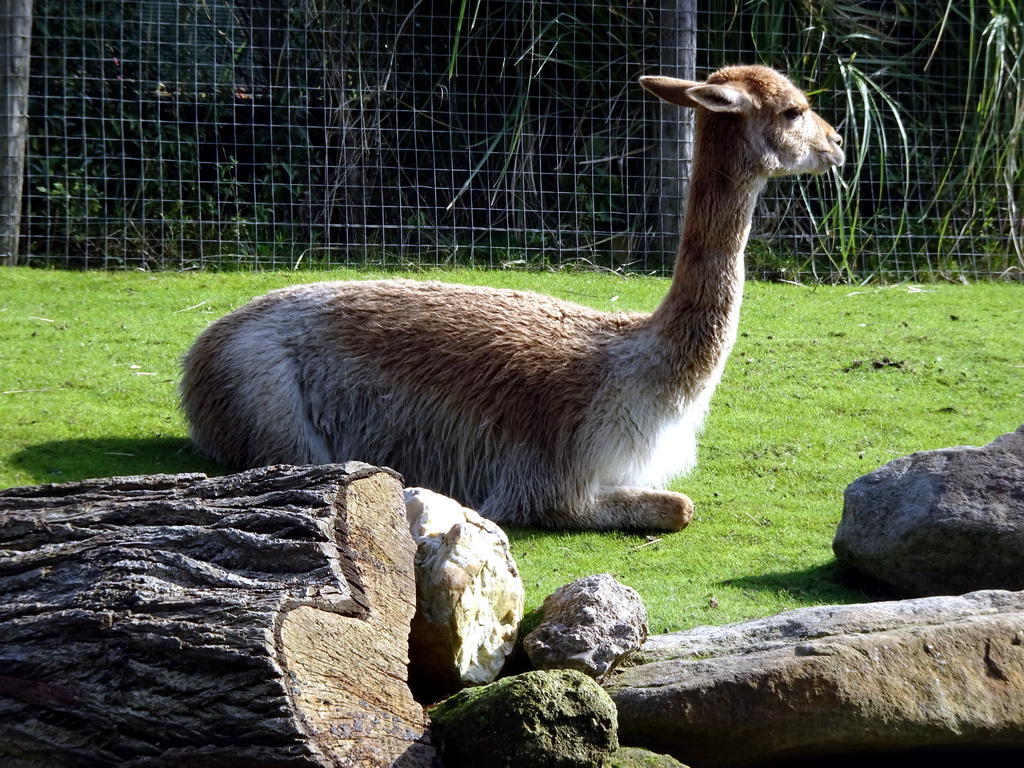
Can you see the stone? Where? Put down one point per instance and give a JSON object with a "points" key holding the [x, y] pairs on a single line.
{"points": [[551, 718], [634, 757], [819, 682], [939, 522], [469, 596], [589, 625]]}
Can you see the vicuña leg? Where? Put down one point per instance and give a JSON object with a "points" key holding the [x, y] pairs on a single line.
{"points": [[631, 507]]}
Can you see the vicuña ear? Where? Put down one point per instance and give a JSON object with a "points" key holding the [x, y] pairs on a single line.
{"points": [[721, 98], [670, 89], [685, 93]]}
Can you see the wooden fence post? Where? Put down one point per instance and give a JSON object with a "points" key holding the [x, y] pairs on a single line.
{"points": [[15, 36], [678, 59]]}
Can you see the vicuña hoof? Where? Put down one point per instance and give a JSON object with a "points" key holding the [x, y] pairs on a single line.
{"points": [[677, 512]]}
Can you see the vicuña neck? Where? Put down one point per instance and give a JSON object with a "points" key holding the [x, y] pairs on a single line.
{"points": [[699, 314]]}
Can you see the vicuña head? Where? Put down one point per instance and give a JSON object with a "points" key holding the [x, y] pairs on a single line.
{"points": [[530, 409], [763, 123]]}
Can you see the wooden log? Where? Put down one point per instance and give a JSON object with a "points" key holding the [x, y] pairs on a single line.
{"points": [[260, 619]]}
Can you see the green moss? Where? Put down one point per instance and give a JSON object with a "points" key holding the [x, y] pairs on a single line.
{"points": [[557, 718], [633, 757]]}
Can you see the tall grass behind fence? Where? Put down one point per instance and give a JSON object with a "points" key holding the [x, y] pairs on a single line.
{"points": [[930, 99], [210, 133]]}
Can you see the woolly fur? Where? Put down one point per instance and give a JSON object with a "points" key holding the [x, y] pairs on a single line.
{"points": [[530, 409]]}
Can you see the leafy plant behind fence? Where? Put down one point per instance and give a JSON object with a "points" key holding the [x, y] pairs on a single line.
{"points": [[174, 134], [163, 132]]}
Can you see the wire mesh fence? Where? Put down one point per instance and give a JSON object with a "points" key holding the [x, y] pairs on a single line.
{"points": [[262, 133]]}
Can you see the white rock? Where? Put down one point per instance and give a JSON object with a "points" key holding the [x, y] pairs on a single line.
{"points": [[469, 595]]}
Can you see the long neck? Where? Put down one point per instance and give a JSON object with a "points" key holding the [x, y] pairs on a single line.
{"points": [[699, 315]]}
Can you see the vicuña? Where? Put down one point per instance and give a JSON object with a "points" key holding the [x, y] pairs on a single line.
{"points": [[532, 410]]}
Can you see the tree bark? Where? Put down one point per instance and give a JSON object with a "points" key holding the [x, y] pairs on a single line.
{"points": [[259, 619]]}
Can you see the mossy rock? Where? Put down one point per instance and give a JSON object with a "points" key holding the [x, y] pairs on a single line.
{"points": [[634, 757], [554, 719]]}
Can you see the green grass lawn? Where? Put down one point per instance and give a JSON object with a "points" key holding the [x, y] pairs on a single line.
{"points": [[825, 384]]}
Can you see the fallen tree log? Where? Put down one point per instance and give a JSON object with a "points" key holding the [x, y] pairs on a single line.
{"points": [[259, 619]]}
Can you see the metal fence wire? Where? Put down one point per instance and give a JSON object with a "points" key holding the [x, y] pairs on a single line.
{"points": [[168, 134]]}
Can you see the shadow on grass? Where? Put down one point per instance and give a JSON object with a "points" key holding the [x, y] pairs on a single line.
{"points": [[62, 461], [821, 584]]}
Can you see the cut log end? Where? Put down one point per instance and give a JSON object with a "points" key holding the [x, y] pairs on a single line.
{"points": [[347, 676]]}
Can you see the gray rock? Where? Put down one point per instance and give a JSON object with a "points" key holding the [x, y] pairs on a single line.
{"points": [[589, 625], [551, 718], [823, 681], [939, 522]]}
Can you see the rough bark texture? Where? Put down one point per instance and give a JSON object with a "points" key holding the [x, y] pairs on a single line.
{"points": [[259, 619]]}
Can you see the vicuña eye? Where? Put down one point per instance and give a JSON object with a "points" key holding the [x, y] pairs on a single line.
{"points": [[793, 114]]}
